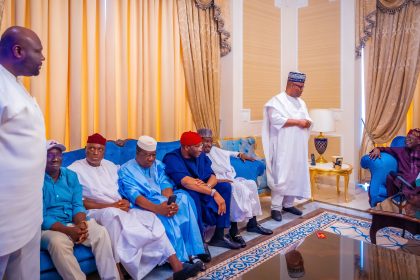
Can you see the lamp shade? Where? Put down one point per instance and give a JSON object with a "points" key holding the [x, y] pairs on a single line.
{"points": [[323, 120]]}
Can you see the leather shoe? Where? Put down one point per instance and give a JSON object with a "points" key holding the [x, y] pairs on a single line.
{"points": [[225, 242], [188, 270], [276, 215], [260, 230], [293, 210], [239, 239], [206, 257]]}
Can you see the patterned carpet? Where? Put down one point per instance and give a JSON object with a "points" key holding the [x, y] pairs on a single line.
{"points": [[233, 266]]}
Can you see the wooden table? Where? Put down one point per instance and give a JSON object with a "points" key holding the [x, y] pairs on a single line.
{"points": [[328, 169]]}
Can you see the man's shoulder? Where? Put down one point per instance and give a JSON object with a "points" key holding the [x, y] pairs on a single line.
{"points": [[172, 155], [275, 100]]}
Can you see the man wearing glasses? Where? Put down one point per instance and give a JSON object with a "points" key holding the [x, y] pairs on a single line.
{"points": [[190, 169], [285, 135]]}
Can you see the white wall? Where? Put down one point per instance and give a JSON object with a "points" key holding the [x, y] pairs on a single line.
{"points": [[235, 120]]}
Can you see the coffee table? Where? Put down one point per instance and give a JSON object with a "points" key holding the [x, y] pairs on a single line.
{"points": [[328, 169], [339, 257]]}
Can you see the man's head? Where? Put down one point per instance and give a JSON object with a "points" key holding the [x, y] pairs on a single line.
{"points": [[95, 149], [54, 156], [295, 84], [412, 141], [191, 144], [146, 151], [207, 136], [21, 51]]}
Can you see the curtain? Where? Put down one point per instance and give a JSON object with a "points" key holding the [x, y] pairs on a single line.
{"points": [[112, 66], [203, 40], [393, 64]]}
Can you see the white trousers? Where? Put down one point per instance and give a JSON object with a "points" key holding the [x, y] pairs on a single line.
{"points": [[23, 263], [245, 202], [279, 201], [60, 248]]}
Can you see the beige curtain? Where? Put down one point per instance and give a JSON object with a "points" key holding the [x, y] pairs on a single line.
{"points": [[393, 64], [112, 66], [203, 37], [365, 22]]}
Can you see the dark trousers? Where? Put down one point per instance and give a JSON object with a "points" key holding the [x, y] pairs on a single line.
{"points": [[207, 207]]}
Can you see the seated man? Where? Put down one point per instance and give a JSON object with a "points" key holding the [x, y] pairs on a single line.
{"points": [[408, 159], [144, 183], [190, 170], [245, 204], [65, 222], [138, 237]]}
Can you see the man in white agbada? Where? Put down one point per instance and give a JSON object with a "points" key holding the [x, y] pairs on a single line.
{"points": [[285, 135], [138, 237], [22, 156], [245, 203]]}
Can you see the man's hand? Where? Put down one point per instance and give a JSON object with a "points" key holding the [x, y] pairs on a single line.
{"points": [[78, 233], [167, 210], [224, 181], [304, 123], [244, 157], [221, 204], [375, 153]]}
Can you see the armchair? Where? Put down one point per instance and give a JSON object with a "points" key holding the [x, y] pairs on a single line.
{"points": [[379, 170]]}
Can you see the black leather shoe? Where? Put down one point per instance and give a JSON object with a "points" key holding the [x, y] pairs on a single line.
{"points": [[195, 259], [206, 257], [188, 270], [276, 215], [293, 210], [239, 239], [225, 242], [260, 230]]}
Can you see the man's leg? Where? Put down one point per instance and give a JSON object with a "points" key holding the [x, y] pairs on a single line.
{"points": [[60, 248], [288, 205], [276, 205], [23, 263], [99, 240], [3, 264]]}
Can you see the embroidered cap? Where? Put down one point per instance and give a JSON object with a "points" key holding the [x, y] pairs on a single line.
{"points": [[96, 139], [297, 77], [190, 138], [147, 143], [55, 144]]}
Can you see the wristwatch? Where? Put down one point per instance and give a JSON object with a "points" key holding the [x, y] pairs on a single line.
{"points": [[213, 191]]}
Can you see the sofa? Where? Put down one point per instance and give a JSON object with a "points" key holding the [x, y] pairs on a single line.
{"points": [[120, 152], [379, 170], [254, 170]]}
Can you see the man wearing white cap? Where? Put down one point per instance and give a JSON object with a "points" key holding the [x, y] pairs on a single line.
{"points": [[138, 237], [285, 135], [65, 222], [143, 182]]}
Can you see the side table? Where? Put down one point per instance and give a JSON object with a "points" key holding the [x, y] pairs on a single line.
{"points": [[328, 169]]}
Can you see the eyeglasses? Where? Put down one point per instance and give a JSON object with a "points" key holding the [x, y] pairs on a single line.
{"points": [[54, 156]]}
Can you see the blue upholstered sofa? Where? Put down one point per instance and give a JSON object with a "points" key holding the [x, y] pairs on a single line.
{"points": [[254, 170], [120, 152], [379, 170]]}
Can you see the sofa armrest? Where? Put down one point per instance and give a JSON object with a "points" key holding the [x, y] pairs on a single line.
{"points": [[379, 170]]}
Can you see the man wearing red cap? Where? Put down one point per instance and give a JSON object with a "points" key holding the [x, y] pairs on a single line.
{"points": [[190, 169], [138, 237]]}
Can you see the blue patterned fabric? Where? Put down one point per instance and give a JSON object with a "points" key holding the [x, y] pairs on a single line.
{"points": [[379, 170], [249, 170]]}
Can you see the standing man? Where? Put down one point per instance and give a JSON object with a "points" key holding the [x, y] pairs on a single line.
{"points": [[23, 156], [285, 136]]}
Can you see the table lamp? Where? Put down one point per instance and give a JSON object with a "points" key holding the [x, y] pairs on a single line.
{"points": [[323, 121]]}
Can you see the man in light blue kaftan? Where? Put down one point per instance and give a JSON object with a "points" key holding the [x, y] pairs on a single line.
{"points": [[144, 183]]}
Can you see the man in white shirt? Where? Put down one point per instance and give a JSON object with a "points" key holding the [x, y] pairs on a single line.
{"points": [[138, 237], [245, 203], [285, 135], [23, 156]]}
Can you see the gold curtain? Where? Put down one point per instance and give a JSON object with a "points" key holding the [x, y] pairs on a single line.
{"points": [[393, 64], [201, 48], [112, 66]]}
